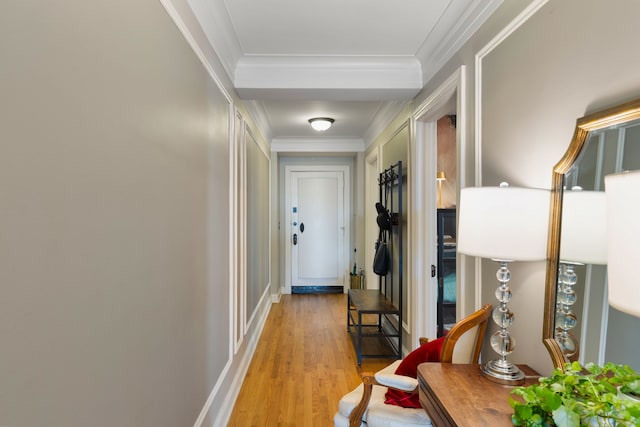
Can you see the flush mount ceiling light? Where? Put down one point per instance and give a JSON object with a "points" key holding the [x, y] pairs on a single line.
{"points": [[321, 123]]}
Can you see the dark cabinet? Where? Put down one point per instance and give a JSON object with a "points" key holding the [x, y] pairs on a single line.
{"points": [[446, 269]]}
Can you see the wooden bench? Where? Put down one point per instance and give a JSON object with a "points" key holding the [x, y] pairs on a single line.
{"points": [[372, 322]]}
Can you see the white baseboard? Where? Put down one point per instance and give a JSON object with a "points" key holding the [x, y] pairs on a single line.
{"points": [[275, 298], [225, 401]]}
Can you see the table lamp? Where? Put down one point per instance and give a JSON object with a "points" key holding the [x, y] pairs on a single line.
{"points": [[440, 177], [504, 224], [622, 193], [582, 241]]}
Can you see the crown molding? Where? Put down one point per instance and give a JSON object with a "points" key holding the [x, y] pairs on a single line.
{"points": [[329, 94], [258, 115], [509, 29], [196, 45], [318, 145], [383, 117], [464, 19], [214, 20], [368, 76]]}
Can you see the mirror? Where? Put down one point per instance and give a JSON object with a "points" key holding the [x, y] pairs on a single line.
{"points": [[603, 143]]}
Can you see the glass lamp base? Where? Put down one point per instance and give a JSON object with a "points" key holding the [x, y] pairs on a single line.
{"points": [[503, 372]]}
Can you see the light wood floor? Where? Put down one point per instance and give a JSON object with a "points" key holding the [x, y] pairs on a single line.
{"points": [[304, 363]]}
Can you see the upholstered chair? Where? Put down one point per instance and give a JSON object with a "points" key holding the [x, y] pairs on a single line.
{"points": [[365, 406]]}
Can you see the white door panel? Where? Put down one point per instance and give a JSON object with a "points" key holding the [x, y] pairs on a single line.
{"points": [[317, 220], [318, 232]]}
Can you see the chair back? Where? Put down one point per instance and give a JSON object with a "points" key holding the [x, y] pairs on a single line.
{"points": [[464, 341]]}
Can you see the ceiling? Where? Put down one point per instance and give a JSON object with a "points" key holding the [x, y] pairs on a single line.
{"points": [[357, 61]]}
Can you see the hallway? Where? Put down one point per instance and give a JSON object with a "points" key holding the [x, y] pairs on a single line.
{"points": [[303, 364]]}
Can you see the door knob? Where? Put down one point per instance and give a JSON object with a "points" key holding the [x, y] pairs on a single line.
{"points": [[295, 239], [302, 227]]}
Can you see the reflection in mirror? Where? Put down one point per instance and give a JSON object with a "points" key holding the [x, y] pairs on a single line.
{"points": [[583, 243], [577, 317]]}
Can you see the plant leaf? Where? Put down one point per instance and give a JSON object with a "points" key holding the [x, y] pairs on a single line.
{"points": [[565, 418]]}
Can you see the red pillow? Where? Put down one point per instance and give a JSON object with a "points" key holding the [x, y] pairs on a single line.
{"points": [[427, 352]]}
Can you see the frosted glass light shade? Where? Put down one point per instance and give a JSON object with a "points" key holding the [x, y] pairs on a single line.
{"points": [[583, 236], [321, 123], [623, 240], [507, 223]]}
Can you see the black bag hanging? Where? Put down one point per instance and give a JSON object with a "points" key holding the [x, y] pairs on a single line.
{"points": [[382, 258]]}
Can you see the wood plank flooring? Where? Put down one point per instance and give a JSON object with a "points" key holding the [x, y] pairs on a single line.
{"points": [[304, 363]]}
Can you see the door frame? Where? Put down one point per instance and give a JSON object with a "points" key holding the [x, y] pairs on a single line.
{"points": [[347, 241], [423, 149]]}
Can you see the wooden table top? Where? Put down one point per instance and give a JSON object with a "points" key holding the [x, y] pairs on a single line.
{"points": [[459, 395], [371, 301]]}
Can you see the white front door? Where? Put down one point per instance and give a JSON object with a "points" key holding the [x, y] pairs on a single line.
{"points": [[316, 229]]}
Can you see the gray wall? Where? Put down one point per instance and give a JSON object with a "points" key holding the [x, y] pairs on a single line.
{"points": [[114, 186], [570, 58], [257, 225]]}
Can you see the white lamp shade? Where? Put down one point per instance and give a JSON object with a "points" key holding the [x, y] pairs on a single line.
{"points": [[623, 240], [583, 236], [509, 224]]}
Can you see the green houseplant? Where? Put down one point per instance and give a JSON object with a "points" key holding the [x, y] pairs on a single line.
{"points": [[580, 396]]}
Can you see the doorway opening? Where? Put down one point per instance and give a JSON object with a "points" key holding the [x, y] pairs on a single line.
{"points": [[317, 230], [438, 150]]}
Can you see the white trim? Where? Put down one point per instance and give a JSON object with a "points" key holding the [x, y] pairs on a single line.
{"points": [[186, 33], [510, 28], [213, 18], [441, 94], [267, 288], [423, 215], [230, 394], [398, 75], [519, 20], [382, 119], [462, 309], [207, 405], [258, 114], [466, 23], [423, 212], [317, 145], [212, 240], [482, 53], [241, 279], [236, 332], [232, 260], [265, 298], [266, 150]]}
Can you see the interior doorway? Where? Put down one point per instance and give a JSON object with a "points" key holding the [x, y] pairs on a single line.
{"points": [[446, 234], [317, 228], [439, 173]]}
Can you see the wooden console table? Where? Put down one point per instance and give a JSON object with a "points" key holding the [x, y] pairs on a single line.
{"points": [[458, 395]]}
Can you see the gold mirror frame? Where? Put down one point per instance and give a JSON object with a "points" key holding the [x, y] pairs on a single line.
{"points": [[593, 122]]}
